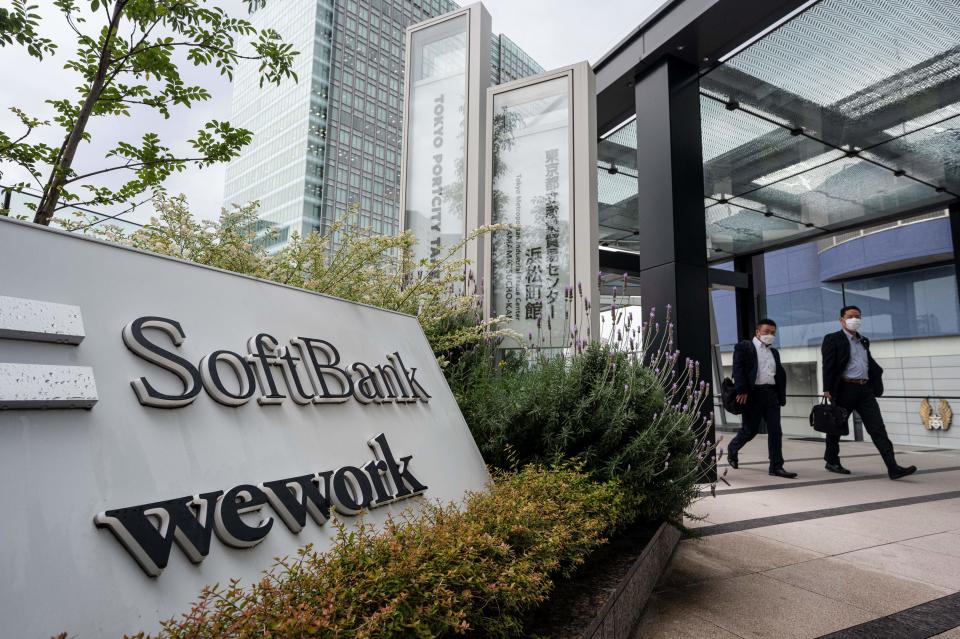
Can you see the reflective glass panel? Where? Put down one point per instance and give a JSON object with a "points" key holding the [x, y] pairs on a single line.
{"points": [[742, 152], [847, 112], [531, 266], [930, 154], [804, 316], [436, 148], [742, 226], [848, 69], [910, 304], [617, 187], [842, 192]]}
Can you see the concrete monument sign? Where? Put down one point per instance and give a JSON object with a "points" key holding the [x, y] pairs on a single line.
{"points": [[164, 426]]}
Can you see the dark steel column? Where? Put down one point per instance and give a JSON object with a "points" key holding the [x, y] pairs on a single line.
{"points": [[673, 242], [955, 236], [751, 305]]}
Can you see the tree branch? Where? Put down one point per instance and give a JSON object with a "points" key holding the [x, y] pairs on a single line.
{"points": [[133, 166], [194, 45], [144, 102], [132, 207], [146, 34], [29, 170], [58, 174], [73, 26], [18, 140]]}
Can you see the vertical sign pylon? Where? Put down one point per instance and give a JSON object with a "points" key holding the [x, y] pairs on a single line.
{"points": [[447, 73], [541, 179]]}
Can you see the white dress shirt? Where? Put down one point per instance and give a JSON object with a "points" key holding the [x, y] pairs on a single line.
{"points": [[766, 365], [858, 366]]}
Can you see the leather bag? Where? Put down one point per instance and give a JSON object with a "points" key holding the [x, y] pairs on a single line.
{"points": [[829, 419], [728, 397]]}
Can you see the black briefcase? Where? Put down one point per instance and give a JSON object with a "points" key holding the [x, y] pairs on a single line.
{"points": [[829, 419], [728, 396]]}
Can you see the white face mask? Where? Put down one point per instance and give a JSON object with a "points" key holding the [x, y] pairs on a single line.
{"points": [[852, 324], [767, 339]]}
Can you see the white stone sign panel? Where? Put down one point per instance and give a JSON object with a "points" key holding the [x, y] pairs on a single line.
{"points": [[225, 421]]}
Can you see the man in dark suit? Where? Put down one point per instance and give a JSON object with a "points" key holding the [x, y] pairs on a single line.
{"points": [[853, 380], [761, 385]]}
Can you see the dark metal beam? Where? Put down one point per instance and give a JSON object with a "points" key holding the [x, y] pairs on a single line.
{"points": [[695, 31], [729, 279], [619, 262]]}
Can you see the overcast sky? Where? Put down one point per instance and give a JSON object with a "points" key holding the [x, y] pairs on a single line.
{"points": [[553, 32]]}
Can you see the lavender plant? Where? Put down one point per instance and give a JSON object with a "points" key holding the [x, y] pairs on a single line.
{"points": [[628, 409]]}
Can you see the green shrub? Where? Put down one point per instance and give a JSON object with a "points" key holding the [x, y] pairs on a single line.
{"points": [[625, 416], [347, 261], [474, 569]]}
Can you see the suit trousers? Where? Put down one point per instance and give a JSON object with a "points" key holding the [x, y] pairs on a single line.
{"points": [[859, 397], [763, 404]]}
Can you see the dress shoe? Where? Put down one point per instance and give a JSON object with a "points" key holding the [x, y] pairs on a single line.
{"points": [[900, 471], [837, 468], [733, 461], [779, 472]]}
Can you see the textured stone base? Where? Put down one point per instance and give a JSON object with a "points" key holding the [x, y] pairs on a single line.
{"points": [[624, 607]]}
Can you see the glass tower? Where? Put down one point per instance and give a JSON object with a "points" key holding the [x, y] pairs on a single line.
{"points": [[331, 143]]}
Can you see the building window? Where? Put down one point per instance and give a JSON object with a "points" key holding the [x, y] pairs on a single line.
{"points": [[916, 303]]}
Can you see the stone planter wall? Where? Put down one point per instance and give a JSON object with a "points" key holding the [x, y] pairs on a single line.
{"points": [[622, 610]]}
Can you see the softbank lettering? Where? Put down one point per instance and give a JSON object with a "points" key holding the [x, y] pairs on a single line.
{"points": [[325, 380], [312, 373]]}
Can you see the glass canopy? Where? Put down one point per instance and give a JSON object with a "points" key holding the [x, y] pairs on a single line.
{"points": [[845, 115], [617, 187]]}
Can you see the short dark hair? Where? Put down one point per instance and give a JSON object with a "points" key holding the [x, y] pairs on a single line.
{"points": [[765, 322], [843, 311]]}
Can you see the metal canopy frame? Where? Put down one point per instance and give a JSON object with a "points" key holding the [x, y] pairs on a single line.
{"points": [[690, 30], [699, 32]]}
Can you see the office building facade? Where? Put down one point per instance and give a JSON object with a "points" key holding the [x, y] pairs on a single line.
{"points": [[330, 144], [902, 277]]}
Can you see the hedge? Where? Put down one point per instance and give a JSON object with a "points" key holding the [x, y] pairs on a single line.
{"points": [[478, 568]]}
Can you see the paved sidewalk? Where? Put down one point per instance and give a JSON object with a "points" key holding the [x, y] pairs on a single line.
{"points": [[858, 555]]}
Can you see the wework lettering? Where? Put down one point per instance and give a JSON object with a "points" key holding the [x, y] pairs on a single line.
{"points": [[148, 532]]}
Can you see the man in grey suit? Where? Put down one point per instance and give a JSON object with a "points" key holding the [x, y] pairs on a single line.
{"points": [[853, 380]]}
